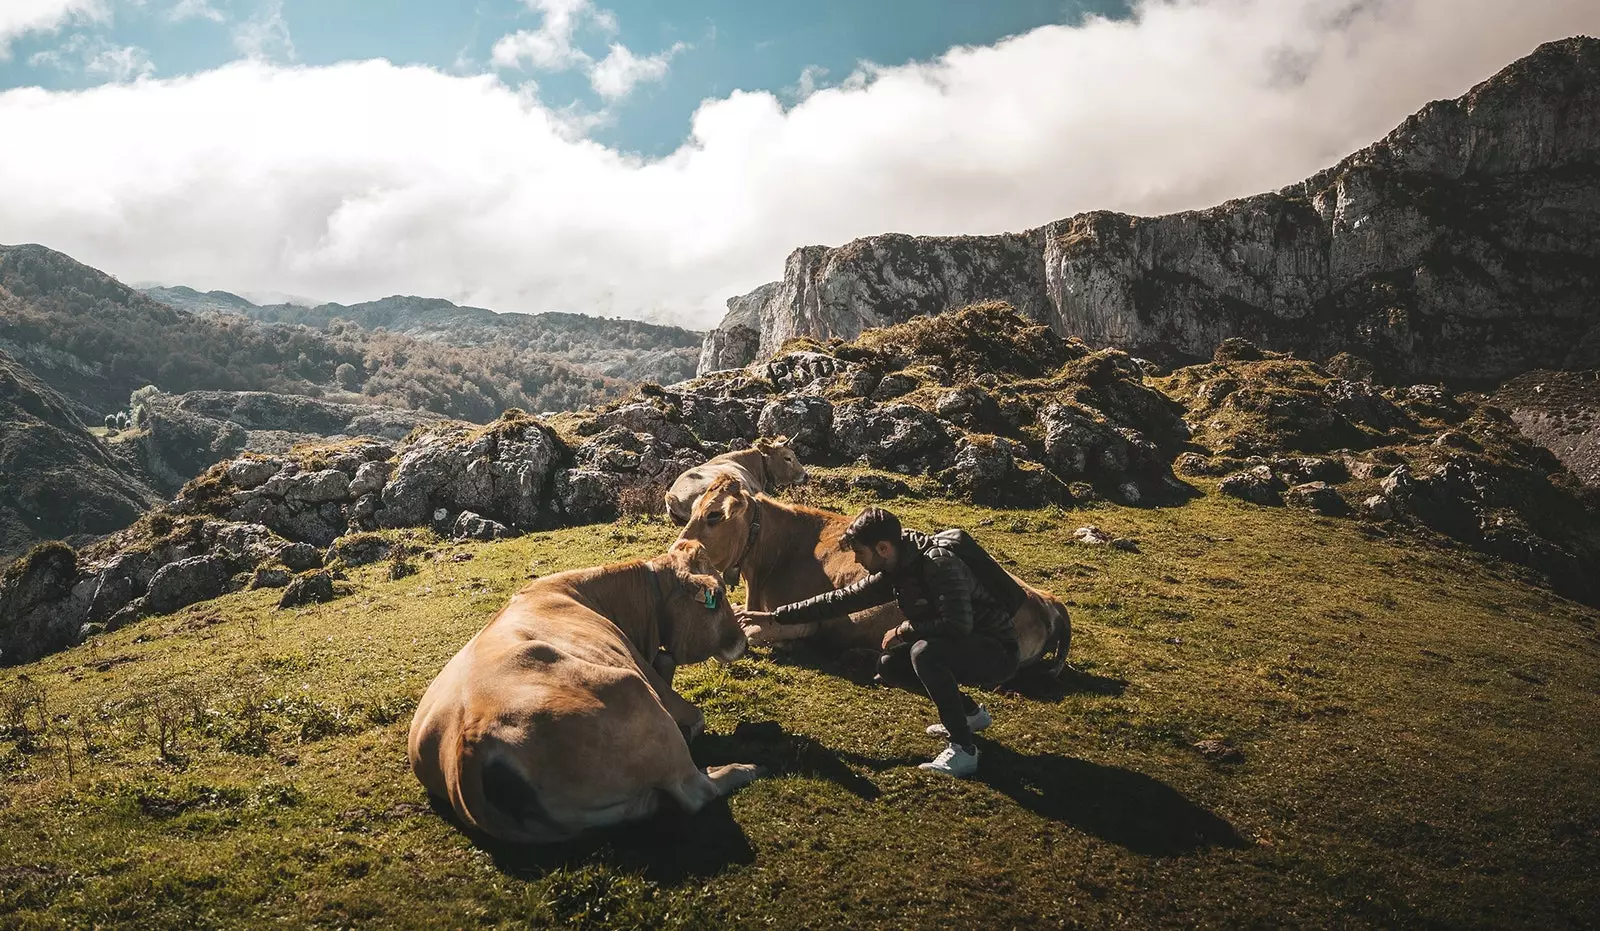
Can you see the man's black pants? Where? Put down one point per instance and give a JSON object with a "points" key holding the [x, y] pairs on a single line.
{"points": [[939, 666]]}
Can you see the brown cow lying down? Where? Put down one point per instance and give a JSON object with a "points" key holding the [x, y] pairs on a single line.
{"points": [[788, 553], [554, 717], [767, 466]]}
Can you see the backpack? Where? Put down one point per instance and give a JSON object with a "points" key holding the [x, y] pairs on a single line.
{"points": [[991, 575]]}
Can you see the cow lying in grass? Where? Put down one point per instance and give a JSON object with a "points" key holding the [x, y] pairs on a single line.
{"points": [[788, 553], [767, 466], [556, 717]]}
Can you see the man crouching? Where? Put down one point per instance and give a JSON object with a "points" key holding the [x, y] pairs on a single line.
{"points": [[958, 632]]}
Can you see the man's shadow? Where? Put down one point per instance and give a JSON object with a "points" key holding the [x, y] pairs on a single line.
{"points": [[1117, 805], [1120, 806]]}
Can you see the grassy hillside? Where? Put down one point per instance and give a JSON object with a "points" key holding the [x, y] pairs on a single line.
{"points": [[1410, 722], [95, 341]]}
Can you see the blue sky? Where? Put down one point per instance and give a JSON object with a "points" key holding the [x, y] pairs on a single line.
{"points": [[727, 45], [652, 160]]}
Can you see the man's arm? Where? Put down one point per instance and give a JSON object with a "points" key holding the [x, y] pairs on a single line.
{"points": [[859, 595], [952, 585]]}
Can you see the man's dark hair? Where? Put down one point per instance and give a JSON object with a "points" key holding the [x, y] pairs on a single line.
{"points": [[871, 527]]}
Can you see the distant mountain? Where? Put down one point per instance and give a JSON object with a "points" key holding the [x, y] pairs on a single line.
{"points": [[630, 350], [56, 479], [1464, 246], [95, 340]]}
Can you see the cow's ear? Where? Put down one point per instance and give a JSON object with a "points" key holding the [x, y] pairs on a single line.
{"points": [[763, 444]]}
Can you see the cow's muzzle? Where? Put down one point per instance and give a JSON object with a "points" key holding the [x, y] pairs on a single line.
{"points": [[733, 647]]}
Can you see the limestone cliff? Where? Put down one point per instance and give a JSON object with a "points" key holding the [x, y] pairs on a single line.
{"points": [[1463, 246]]}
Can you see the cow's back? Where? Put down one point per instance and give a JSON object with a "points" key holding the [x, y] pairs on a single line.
{"points": [[693, 482], [543, 725]]}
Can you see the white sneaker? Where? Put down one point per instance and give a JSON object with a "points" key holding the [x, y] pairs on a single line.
{"points": [[955, 761], [978, 720]]}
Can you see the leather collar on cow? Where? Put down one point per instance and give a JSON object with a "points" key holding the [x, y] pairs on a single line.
{"points": [[662, 616], [731, 577]]}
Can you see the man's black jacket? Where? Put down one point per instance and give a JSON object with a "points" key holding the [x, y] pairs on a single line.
{"points": [[937, 592]]}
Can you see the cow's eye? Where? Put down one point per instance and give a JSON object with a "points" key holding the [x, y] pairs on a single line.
{"points": [[714, 518]]}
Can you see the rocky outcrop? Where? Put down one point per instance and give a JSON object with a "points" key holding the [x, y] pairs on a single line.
{"points": [[56, 479], [1460, 247], [1561, 412], [737, 339], [181, 435]]}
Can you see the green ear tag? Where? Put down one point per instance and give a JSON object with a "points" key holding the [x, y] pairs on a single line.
{"points": [[711, 600]]}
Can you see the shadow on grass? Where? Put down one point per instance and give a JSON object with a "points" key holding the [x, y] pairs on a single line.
{"points": [[861, 664], [671, 848], [1117, 805], [784, 754]]}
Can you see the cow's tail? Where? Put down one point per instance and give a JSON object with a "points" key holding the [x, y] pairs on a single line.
{"points": [[493, 795], [1060, 638]]}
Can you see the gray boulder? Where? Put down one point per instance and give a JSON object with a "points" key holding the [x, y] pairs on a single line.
{"points": [[899, 438], [806, 421], [968, 406], [369, 478], [300, 556], [307, 589], [586, 496], [185, 582], [318, 487], [358, 550], [470, 526], [246, 474], [719, 419], [804, 372], [500, 472], [1258, 485], [34, 620], [1319, 497], [893, 386]]}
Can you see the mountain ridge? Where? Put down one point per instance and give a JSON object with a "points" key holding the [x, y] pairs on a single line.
{"points": [[1437, 252]]}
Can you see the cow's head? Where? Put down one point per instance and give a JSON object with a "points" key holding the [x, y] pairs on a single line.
{"points": [[720, 522], [778, 455], [700, 622]]}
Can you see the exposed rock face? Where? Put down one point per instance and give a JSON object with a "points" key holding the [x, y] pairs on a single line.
{"points": [[888, 279], [737, 340], [56, 480], [185, 433], [185, 582], [1561, 412], [1462, 247]]}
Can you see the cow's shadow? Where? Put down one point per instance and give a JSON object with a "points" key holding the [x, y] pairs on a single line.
{"points": [[781, 753], [670, 848]]}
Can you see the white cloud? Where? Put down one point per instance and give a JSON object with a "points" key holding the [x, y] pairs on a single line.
{"points": [[265, 35], [621, 71], [97, 58], [810, 81], [20, 17], [194, 9], [364, 179], [550, 47]]}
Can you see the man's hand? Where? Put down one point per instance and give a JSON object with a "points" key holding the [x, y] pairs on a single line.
{"points": [[747, 618], [897, 634]]}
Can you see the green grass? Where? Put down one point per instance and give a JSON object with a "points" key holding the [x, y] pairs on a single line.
{"points": [[1416, 724]]}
